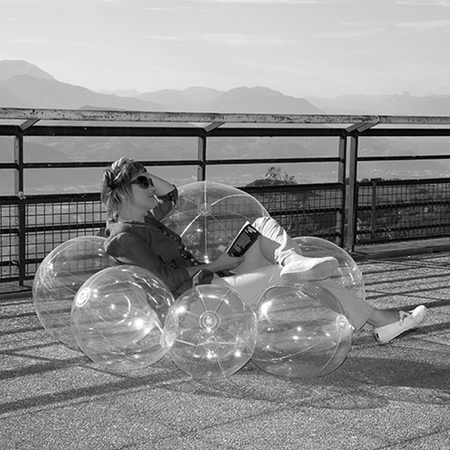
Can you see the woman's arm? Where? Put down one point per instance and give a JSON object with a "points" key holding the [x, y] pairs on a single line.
{"points": [[162, 187], [223, 263], [128, 248], [167, 194]]}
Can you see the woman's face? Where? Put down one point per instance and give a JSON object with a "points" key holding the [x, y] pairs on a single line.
{"points": [[143, 192]]}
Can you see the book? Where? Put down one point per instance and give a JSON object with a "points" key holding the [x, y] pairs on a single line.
{"points": [[246, 237]]}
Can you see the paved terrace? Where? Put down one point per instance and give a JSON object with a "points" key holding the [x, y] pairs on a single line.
{"points": [[383, 397]]}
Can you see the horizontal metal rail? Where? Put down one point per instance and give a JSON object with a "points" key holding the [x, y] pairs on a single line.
{"points": [[402, 158], [33, 114]]}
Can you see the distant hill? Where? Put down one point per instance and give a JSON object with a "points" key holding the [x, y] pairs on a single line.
{"points": [[260, 100], [121, 92], [11, 68], [420, 106], [172, 99], [25, 85], [348, 103], [199, 94], [190, 99], [49, 93], [7, 98], [404, 104], [238, 100]]}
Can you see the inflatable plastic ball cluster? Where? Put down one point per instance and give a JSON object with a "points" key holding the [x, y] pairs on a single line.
{"points": [[113, 313], [125, 317]]}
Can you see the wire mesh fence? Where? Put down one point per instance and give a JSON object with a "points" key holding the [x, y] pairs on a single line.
{"points": [[393, 210], [9, 240], [305, 210], [51, 220], [387, 210], [50, 223]]}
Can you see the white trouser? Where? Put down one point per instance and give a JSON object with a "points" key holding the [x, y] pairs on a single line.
{"points": [[262, 266]]}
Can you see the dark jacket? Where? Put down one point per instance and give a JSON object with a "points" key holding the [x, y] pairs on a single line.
{"points": [[152, 246]]}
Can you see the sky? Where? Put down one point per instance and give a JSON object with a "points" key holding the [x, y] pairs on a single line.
{"points": [[301, 48]]}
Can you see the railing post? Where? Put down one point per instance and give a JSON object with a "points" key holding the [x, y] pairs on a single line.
{"points": [[352, 194], [373, 222], [201, 170], [340, 220], [19, 191]]}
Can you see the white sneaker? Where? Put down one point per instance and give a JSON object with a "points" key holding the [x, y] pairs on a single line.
{"points": [[309, 269], [407, 321]]}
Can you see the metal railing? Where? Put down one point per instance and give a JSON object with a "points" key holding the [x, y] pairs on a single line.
{"points": [[346, 210]]}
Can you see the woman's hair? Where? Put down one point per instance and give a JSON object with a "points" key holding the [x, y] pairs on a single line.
{"points": [[116, 187]]}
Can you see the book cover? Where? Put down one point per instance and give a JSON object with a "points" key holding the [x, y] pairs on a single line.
{"points": [[246, 237]]}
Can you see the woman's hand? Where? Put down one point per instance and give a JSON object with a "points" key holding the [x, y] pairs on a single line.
{"points": [[225, 262], [162, 187]]}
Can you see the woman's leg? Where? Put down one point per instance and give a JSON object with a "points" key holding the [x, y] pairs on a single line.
{"points": [[358, 311], [277, 247], [251, 285], [388, 324], [254, 259]]}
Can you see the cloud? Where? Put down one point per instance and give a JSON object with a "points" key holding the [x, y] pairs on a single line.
{"points": [[168, 8], [351, 34], [350, 30], [51, 42], [426, 26], [425, 3], [428, 3], [374, 28], [275, 2], [236, 39], [159, 37], [228, 39]]}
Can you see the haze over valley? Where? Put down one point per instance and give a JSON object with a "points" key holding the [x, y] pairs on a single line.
{"points": [[25, 85]]}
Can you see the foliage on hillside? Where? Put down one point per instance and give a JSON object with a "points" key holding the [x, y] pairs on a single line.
{"points": [[274, 176]]}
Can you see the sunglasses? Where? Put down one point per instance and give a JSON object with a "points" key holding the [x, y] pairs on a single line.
{"points": [[143, 182]]}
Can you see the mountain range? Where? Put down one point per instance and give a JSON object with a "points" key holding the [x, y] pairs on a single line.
{"points": [[25, 85]]}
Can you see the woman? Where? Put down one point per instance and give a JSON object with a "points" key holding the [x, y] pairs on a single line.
{"points": [[136, 201]]}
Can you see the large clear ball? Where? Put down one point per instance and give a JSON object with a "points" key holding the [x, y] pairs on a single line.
{"points": [[58, 278], [118, 317], [209, 215], [347, 275], [303, 331], [211, 332]]}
